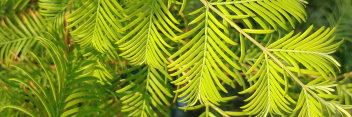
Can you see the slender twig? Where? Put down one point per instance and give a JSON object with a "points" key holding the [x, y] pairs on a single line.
{"points": [[66, 33], [234, 2], [349, 74], [218, 110], [185, 21], [15, 56]]}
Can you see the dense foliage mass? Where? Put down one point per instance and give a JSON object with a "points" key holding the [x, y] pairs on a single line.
{"points": [[175, 58]]}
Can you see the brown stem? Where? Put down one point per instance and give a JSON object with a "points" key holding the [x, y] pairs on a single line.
{"points": [[66, 34], [349, 74], [185, 22]]}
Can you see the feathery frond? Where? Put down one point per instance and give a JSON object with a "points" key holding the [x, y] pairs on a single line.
{"points": [[312, 102], [269, 96], [268, 14], [52, 8], [202, 62], [152, 24], [345, 91], [306, 49], [56, 95], [54, 12], [57, 55], [9, 6], [312, 50], [101, 72], [145, 93], [17, 33], [95, 24]]}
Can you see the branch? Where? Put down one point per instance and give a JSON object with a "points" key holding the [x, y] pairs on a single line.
{"points": [[234, 2], [264, 49], [349, 74]]}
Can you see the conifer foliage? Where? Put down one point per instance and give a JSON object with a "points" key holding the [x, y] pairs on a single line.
{"points": [[145, 57]]}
